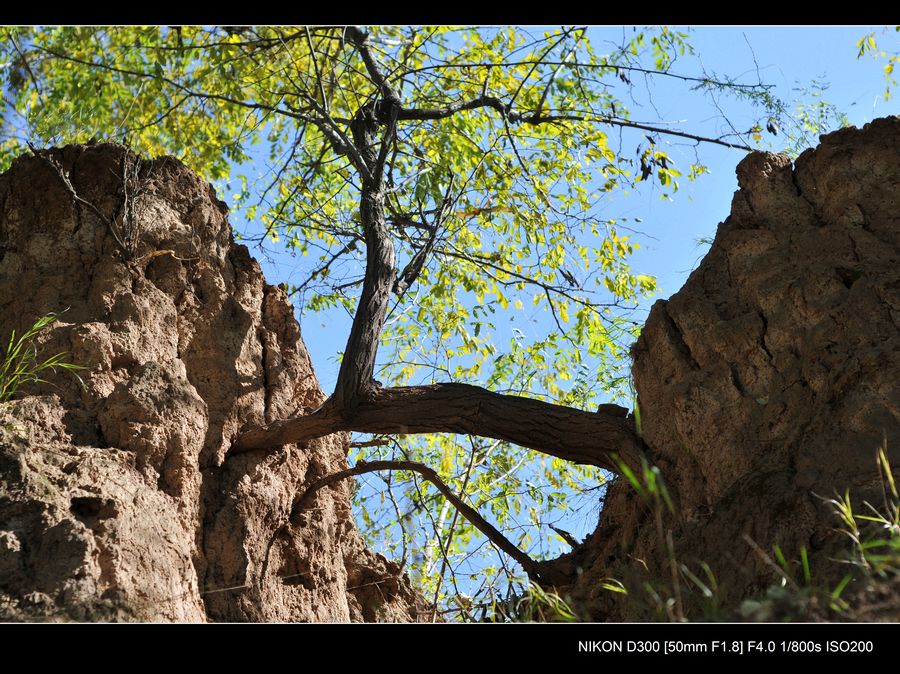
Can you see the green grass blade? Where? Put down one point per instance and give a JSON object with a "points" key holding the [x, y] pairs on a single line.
{"points": [[804, 562]]}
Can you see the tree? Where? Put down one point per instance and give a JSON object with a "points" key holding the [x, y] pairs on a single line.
{"points": [[467, 168], [868, 45]]}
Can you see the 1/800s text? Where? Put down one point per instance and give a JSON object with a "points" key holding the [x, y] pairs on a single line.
{"points": [[735, 647]]}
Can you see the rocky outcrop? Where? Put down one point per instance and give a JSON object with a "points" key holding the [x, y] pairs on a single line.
{"points": [[118, 499], [769, 380]]}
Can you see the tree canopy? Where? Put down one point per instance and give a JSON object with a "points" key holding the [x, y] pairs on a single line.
{"points": [[449, 189]]}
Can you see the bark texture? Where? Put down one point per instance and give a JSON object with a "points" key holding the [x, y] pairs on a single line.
{"points": [[116, 501]]}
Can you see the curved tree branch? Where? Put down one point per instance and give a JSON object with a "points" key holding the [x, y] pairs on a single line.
{"points": [[177, 85], [534, 569], [358, 38], [589, 438]]}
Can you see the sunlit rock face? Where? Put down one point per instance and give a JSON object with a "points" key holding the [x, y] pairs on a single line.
{"points": [[117, 501]]}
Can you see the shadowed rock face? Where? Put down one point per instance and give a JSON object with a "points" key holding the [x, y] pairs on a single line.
{"points": [[117, 501], [771, 377]]}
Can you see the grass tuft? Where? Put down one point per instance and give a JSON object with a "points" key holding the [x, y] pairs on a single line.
{"points": [[22, 362]]}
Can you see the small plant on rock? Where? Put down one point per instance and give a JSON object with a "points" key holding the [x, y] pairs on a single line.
{"points": [[22, 362]]}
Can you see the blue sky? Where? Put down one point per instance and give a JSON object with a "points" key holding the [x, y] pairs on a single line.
{"points": [[669, 230]]}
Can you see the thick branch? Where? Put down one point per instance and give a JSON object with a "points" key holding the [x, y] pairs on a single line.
{"points": [[532, 568], [358, 364], [359, 40], [565, 432], [452, 108]]}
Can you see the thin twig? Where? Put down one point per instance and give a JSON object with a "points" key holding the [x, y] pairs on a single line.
{"points": [[37, 87], [445, 561], [312, 57], [67, 182]]}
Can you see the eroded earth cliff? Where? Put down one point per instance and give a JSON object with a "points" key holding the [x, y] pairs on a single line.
{"points": [[117, 499], [767, 383]]}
